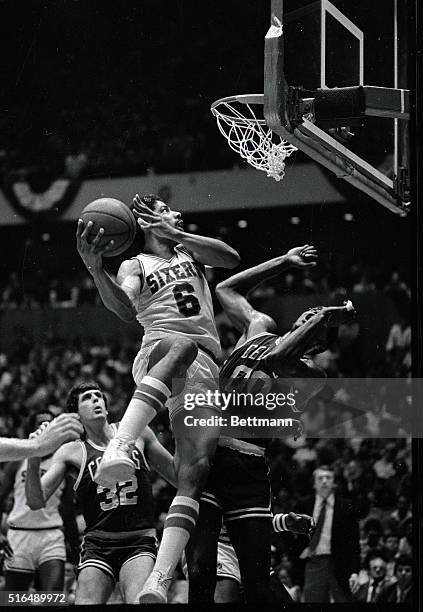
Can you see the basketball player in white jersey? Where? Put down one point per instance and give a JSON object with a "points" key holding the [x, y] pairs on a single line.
{"points": [[165, 289], [36, 538]]}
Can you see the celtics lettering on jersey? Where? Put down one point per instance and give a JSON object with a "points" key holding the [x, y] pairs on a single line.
{"points": [[175, 298], [243, 371]]}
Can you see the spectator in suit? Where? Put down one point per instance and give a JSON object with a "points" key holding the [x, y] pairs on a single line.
{"points": [[406, 543], [375, 564], [402, 590], [332, 557], [391, 549], [285, 578]]}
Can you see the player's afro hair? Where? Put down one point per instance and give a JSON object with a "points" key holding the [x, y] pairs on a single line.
{"points": [[75, 392], [148, 200]]}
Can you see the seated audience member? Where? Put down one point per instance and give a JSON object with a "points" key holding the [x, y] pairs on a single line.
{"points": [[402, 590], [375, 564]]}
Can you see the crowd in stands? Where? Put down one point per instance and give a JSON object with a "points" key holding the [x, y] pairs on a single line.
{"points": [[120, 104], [125, 101], [372, 470], [28, 289], [370, 454], [134, 98]]}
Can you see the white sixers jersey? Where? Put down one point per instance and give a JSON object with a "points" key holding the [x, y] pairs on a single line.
{"points": [[175, 298], [22, 515]]}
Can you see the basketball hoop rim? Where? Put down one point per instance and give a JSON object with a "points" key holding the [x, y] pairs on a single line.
{"points": [[245, 99]]}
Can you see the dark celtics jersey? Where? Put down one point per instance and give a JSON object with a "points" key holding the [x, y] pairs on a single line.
{"points": [[251, 389], [246, 361], [126, 507]]}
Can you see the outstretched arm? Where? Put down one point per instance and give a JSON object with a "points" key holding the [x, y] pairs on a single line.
{"points": [[208, 251], [115, 297], [62, 429], [295, 344], [233, 291], [14, 449], [294, 522], [158, 457], [38, 490]]}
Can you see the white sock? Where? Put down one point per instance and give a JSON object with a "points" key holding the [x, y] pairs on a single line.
{"points": [[149, 397], [178, 527]]}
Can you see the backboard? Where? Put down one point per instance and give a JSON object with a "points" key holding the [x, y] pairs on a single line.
{"points": [[329, 66]]}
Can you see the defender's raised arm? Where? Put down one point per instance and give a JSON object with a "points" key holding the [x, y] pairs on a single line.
{"points": [[233, 291]]}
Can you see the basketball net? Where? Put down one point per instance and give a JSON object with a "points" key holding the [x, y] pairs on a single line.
{"points": [[250, 137]]}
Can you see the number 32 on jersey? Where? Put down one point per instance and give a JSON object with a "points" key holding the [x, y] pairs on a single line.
{"points": [[124, 494]]}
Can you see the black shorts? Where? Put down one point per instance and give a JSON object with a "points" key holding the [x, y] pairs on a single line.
{"points": [[108, 552], [239, 485]]}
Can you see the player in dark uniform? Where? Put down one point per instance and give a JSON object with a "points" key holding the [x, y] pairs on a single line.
{"points": [[238, 488], [120, 538]]}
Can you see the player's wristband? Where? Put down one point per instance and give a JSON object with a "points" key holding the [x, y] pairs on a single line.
{"points": [[279, 523]]}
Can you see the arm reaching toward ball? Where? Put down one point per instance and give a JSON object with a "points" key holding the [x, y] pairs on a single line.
{"points": [[64, 428], [117, 299]]}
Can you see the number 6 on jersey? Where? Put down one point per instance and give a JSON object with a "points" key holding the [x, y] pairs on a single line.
{"points": [[187, 303]]}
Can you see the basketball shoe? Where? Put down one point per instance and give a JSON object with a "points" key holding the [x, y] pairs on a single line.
{"points": [[155, 588], [116, 464]]}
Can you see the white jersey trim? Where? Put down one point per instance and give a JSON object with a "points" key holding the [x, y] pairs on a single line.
{"points": [[249, 340], [83, 464], [142, 270], [155, 256], [98, 447]]}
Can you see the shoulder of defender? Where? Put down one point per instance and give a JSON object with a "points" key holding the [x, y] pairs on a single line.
{"points": [[259, 323]]}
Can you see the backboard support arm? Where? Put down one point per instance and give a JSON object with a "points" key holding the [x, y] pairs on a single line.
{"points": [[316, 143]]}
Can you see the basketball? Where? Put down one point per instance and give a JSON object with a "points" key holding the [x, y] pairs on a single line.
{"points": [[117, 221]]}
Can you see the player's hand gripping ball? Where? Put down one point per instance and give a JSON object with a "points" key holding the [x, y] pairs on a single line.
{"points": [[117, 221]]}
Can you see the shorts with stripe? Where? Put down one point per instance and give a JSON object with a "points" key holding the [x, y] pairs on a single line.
{"points": [[239, 485], [33, 547], [227, 563], [201, 377], [109, 552]]}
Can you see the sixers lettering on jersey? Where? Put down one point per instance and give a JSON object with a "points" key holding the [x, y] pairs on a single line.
{"points": [[175, 298], [128, 506], [160, 278]]}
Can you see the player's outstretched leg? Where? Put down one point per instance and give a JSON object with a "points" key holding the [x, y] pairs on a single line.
{"points": [[168, 362], [251, 539], [201, 554], [193, 454]]}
